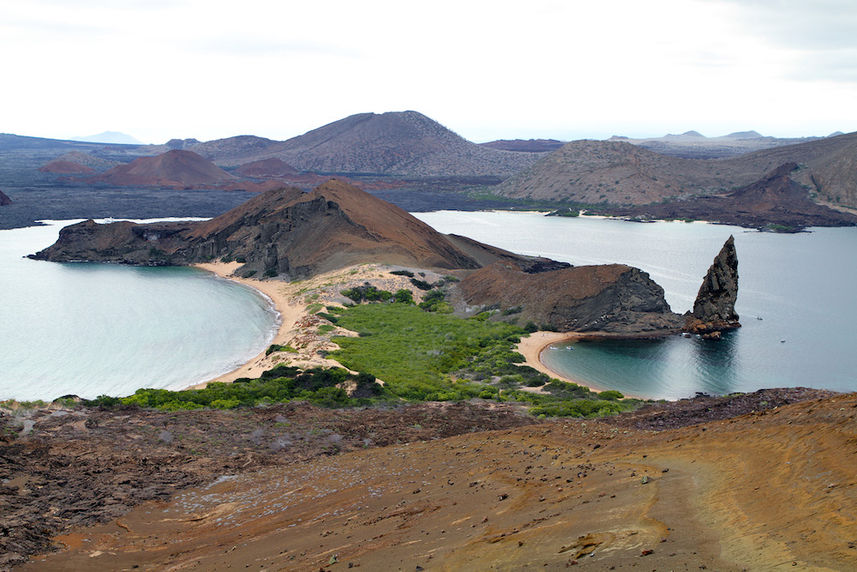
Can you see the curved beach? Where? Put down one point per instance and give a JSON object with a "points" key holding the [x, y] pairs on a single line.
{"points": [[289, 314], [532, 347]]}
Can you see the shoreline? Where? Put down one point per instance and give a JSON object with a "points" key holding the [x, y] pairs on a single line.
{"points": [[532, 347], [290, 314]]}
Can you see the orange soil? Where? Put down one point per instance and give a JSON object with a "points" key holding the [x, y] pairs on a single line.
{"points": [[770, 490]]}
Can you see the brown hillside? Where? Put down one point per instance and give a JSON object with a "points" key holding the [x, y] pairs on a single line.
{"points": [[395, 143], [283, 232], [175, 168], [61, 167], [606, 298], [772, 489], [776, 198], [266, 168], [619, 173]]}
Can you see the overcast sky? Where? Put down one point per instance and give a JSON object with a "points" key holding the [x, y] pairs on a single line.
{"points": [[158, 69]]}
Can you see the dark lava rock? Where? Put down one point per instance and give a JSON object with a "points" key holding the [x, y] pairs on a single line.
{"points": [[4, 199], [714, 308]]}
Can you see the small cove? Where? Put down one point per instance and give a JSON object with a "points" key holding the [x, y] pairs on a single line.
{"points": [[795, 301]]}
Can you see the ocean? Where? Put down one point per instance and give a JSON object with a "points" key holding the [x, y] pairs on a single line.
{"points": [[795, 301], [93, 329]]}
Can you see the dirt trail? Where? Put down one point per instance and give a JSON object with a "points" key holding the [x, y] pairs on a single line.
{"points": [[769, 490]]}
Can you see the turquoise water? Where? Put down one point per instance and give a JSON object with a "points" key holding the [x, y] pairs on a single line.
{"points": [[800, 285], [91, 329]]}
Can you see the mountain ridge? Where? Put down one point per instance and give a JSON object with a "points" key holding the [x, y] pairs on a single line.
{"points": [[619, 173]]}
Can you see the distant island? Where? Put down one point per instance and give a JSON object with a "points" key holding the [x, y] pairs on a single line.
{"points": [[415, 162]]}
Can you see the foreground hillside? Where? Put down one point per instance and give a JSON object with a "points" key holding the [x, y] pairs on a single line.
{"points": [[742, 482]]}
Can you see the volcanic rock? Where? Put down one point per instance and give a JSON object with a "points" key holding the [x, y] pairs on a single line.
{"points": [[4, 199], [714, 308], [619, 173], [612, 298], [775, 202], [176, 168], [283, 232]]}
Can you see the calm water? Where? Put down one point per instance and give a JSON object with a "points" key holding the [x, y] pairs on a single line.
{"points": [[801, 286], [92, 329]]}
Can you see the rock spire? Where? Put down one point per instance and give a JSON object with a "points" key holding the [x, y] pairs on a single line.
{"points": [[714, 308]]}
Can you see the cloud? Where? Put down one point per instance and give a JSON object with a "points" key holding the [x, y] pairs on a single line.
{"points": [[819, 36]]}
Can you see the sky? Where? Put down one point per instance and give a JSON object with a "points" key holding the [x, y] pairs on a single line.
{"points": [[162, 69]]}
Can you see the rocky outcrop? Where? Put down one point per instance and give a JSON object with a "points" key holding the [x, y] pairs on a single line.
{"points": [[714, 308], [280, 233], [612, 298], [4, 199]]}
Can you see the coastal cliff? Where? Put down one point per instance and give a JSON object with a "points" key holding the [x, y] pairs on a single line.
{"points": [[611, 298]]}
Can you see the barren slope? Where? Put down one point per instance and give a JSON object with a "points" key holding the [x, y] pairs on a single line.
{"points": [[617, 172], [171, 169], [397, 143], [770, 490]]}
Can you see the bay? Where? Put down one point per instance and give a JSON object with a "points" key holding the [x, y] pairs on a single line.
{"points": [[92, 329], [796, 301]]}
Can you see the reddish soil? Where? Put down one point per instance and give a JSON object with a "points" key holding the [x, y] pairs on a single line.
{"points": [[177, 168], [742, 482]]}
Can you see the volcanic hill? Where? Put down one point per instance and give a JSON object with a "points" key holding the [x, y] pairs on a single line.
{"points": [[775, 201], [619, 173], [177, 168], [394, 143], [282, 232], [266, 168]]}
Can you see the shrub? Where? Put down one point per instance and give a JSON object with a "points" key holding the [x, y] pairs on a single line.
{"points": [[403, 296]]}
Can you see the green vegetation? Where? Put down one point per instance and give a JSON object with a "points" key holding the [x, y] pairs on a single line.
{"points": [[431, 356], [423, 353], [278, 348], [421, 284], [367, 293], [407, 273], [281, 384]]}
